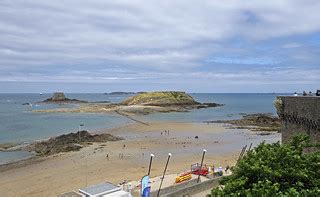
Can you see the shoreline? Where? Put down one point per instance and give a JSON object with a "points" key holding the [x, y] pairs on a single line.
{"points": [[227, 124], [68, 171]]}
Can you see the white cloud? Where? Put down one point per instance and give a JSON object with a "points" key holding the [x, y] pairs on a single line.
{"points": [[42, 40]]}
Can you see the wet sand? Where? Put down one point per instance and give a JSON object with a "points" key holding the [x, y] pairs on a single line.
{"points": [[128, 159]]}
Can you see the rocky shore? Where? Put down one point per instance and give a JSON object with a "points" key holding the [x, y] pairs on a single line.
{"points": [[58, 173], [69, 142], [62, 143], [255, 122]]}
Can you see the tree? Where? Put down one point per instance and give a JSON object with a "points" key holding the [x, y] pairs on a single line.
{"points": [[275, 170]]}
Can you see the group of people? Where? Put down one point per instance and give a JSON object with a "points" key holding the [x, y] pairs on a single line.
{"points": [[304, 93], [166, 132]]}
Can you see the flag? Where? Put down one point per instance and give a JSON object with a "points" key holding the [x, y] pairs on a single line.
{"points": [[145, 188]]}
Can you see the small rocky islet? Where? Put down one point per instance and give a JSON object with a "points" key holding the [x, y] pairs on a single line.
{"points": [[60, 98]]}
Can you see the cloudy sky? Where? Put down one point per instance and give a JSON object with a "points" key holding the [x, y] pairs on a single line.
{"points": [[143, 45]]}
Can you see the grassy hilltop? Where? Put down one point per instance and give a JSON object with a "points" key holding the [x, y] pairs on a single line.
{"points": [[166, 98]]}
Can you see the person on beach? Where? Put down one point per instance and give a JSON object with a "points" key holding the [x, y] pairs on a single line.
{"points": [[295, 94], [304, 93]]}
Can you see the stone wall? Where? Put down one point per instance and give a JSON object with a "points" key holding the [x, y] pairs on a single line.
{"points": [[174, 188], [299, 114], [195, 189]]}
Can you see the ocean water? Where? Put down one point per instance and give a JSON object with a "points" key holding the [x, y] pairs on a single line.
{"points": [[19, 124], [235, 104]]}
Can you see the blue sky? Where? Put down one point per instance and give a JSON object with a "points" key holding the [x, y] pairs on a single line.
{"points": [[145, 45]]}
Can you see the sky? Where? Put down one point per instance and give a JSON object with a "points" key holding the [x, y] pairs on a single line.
{"points": [[147, 45]]}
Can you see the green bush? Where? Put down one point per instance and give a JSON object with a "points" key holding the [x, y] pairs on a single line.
{"points": [[275, 170]]}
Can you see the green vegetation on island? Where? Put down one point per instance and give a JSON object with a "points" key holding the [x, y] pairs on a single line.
{"points": [[275, 170], [166, 98]]}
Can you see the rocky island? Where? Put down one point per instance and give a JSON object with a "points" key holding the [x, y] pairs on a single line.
{"points": [[143, 103], [60, 98]]}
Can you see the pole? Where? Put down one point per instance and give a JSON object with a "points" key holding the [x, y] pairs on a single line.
{"points": [[244, 151], [151, 156], [164, 172], [249, 147], [204, 152], [240, 154]]}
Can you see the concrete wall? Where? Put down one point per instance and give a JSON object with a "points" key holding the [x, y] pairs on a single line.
{"points": [[194, 189], [174, 188], [300, 114]]}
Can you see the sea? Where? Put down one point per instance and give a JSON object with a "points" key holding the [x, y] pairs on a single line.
{"points": [[18, 124]]}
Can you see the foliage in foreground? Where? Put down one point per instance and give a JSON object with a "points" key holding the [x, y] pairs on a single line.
{"points": [[275, 170]]}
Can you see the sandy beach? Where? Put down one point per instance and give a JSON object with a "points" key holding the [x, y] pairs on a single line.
{"points": [[128, 159]]}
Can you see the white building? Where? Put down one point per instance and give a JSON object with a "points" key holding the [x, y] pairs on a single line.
{"points": [[104, 190]]}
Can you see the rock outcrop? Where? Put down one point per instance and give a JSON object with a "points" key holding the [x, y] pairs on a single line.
{"points": [[255, 122], [59, 97], [69, 142]]}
